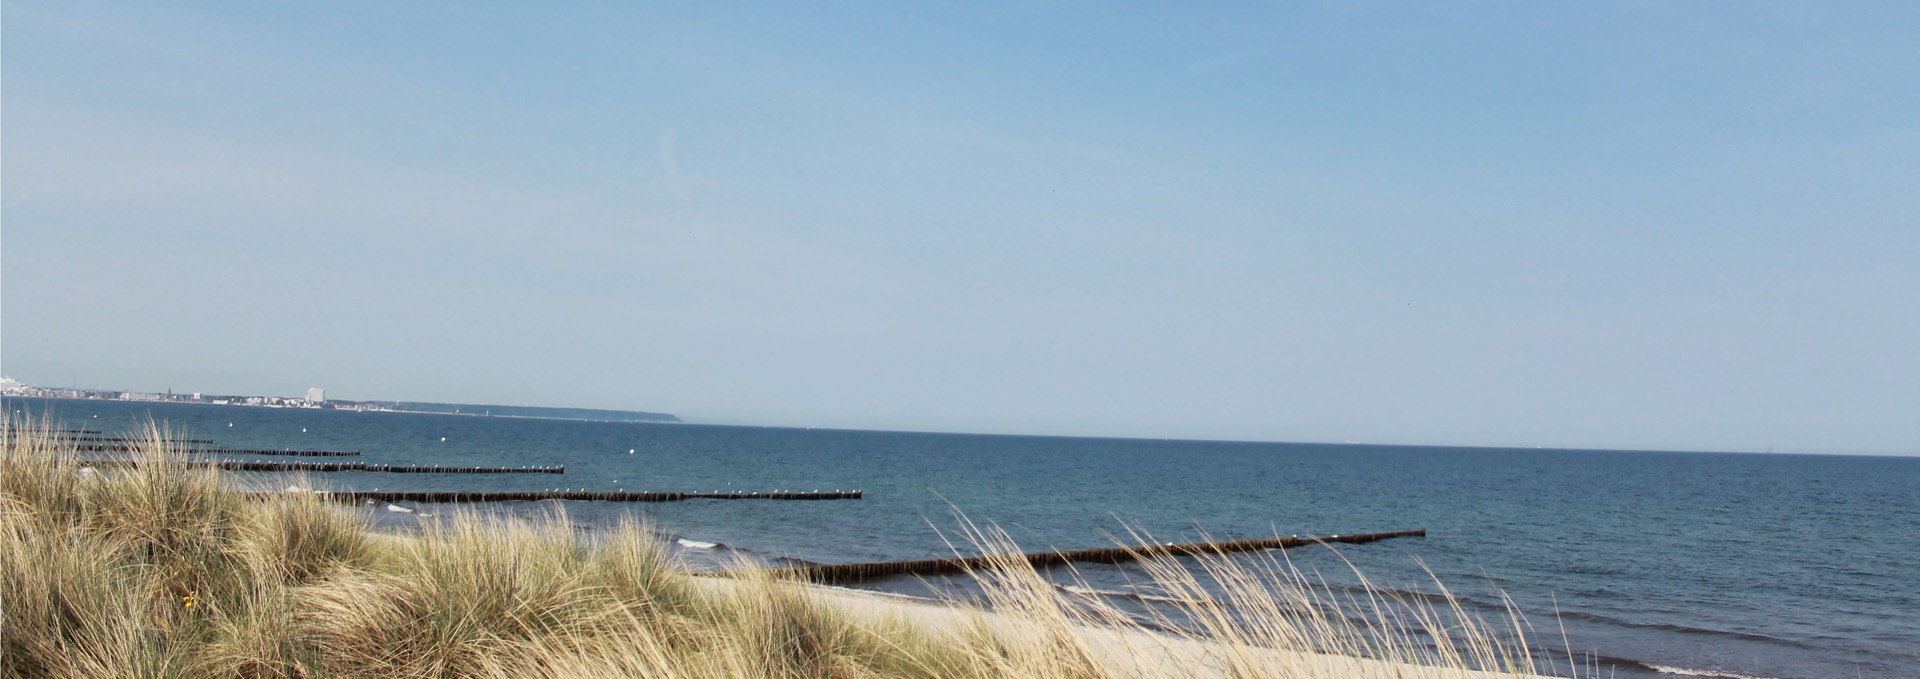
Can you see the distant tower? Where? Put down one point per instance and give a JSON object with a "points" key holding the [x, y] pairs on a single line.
{"points": [[316, 395]]}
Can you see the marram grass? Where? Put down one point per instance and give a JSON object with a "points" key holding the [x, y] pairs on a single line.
{"points": [[161, 570]]}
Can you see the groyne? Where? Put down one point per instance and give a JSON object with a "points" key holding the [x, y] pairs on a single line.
{"points": [[123, 448], [264, 451], [584, 495], [250, 466], [122, 440], [855, 572]]}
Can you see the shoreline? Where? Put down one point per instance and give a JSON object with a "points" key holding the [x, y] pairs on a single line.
{"points": [[1125, 646], [1119, 651], [1129, 652]]}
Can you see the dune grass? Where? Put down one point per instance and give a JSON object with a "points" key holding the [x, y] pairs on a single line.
{"points": [[161, 570]]}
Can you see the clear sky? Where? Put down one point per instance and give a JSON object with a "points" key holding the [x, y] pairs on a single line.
{"points": [[1643, 224]]}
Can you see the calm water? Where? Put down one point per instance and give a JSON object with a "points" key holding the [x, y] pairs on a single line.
{"points": [[1720, 564]]}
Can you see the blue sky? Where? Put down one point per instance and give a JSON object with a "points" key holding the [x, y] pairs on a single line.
{"points": [[1645, 225]]}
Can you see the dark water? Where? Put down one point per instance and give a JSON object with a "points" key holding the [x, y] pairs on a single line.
{"points": [[1720, 564]]}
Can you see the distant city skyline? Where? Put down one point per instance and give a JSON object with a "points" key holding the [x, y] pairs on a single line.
{"points": [[316, 398], [1605, 225]]}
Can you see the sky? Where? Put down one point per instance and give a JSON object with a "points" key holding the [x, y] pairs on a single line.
{"points": [[1612, 225]]}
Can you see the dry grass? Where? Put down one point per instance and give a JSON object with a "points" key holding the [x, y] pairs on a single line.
{"points": [[159, 570]]}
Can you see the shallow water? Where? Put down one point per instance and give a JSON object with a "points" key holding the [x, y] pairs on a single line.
{"points": [[1735, 564]]}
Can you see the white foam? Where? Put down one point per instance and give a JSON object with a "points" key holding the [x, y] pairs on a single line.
{"points": [[398, 508], [1157, 596], [696, 544], [1684, 672], [1089, 591]]}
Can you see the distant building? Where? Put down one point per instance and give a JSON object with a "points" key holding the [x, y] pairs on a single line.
{"points": [[316, 395]]}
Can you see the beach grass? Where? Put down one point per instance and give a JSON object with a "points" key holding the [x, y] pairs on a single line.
{"points": [[163, 570]]}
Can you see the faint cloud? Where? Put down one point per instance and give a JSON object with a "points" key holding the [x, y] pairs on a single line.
{"points": [[1230, 58], [670, 169]]}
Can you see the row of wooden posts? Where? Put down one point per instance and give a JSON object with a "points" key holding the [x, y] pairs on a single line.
{"points": [[252, 466], [855, 572], [96, 436], [586, 495], [123, 440], [126, 448]]}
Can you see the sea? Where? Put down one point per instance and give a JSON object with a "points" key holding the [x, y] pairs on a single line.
{"points": [[1642, 564]]}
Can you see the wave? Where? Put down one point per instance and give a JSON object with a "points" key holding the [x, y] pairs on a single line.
{"points": [[1681, 629], [1141, 596], [1559, 655], [687, 543], [1685, 672], [1412, 595], [1089, 591]]}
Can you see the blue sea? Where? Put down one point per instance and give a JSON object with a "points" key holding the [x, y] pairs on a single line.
{"points": [[1656, 563]]}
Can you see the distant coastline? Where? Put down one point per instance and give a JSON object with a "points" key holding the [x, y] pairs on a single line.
{"points": [[538, 412], [316, 400]]}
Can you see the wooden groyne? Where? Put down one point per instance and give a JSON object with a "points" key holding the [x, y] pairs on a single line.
{"points": [[125, 440], [59, 433], [123, 448], [842, 573], [249, 466], [264, 451], [597, 496]]}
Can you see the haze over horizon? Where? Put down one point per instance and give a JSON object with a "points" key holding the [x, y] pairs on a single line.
{"points": [[1613, 225]]}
